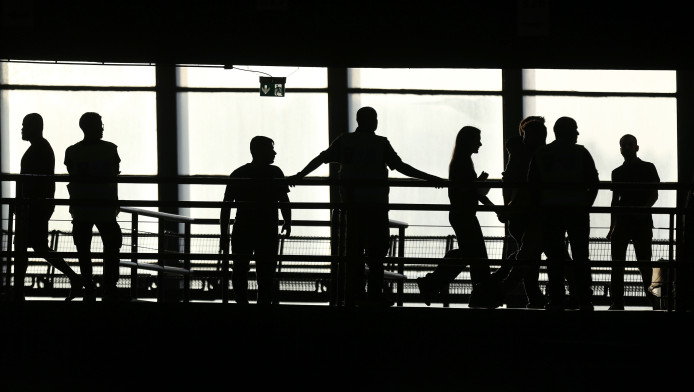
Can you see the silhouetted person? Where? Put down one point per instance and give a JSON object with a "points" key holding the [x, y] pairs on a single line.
{"points": [[564, 175], [93, 165], [634, 227], [35, 209], [364, 159], [464, 197], [255, 228], [522, 225]]}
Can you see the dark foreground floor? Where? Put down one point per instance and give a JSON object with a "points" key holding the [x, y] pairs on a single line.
{"points": [[206, 347]]}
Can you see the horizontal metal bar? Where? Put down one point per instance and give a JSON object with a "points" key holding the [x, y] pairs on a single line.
{"points": [[155, 267]]}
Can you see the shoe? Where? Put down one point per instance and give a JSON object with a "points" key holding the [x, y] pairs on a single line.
{"points": [[76, 286], [486, 295], [425, 289], [89, 292]]}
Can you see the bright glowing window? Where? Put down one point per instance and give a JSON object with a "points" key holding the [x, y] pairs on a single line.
{"points": [[603, 120], [422, 130], [215, 129]]}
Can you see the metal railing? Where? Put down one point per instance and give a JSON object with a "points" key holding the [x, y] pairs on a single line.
{"points": [[207, 272]]}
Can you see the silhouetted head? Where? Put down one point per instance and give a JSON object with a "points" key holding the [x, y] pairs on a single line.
{"points": [[263, 150], [91, 125], [628, 146], [566, 129], [533, 131], [468, 141], [367, 119], [32, 126]]}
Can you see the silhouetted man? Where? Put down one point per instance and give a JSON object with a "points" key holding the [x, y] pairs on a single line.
{"points": [[565, 179], [35, 209], [523, 226], [364, 160], [635, 227], [93, 165], [255, 228]]}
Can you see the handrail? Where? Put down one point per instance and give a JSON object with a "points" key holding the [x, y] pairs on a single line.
{"points": [[156, 214]]}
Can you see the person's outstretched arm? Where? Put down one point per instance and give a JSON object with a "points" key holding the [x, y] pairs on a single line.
{"points": [[313, 165], [410, 171]]}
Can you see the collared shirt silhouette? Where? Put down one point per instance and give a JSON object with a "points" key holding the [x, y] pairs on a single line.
{"points": [[93, 165], [34, 213], [565, 180], [635, 227], [255, 227], [365, 158]]}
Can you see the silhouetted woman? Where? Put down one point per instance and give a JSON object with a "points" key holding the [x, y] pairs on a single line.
{"points": [[464, 197]]}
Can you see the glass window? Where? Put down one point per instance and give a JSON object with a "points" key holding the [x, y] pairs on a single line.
{"points": [[248, 76], [422, 130], [426, 79], [52, 74], [601, 123], [600, 80], [129, 122], [215, 133]]}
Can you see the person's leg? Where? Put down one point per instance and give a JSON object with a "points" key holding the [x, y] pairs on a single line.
{"points": [[355, 243], [618, 244], [579, 237], [112, 238], [471, 244], [529, 257], [266, 267], [553, 233], [642, 240], [241, 249], [82, 237], [377, 248], [21, 260]]}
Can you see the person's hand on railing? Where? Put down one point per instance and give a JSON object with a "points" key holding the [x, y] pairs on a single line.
{"points": [[293, 179], [286, 229], [438, 182]]}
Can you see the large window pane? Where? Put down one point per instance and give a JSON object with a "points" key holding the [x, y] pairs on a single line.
{"points": [[248, 76], [601, 122], [47, 74], [426, 79], [422, 130], [216, 129], [599, 80], [129, 122]]}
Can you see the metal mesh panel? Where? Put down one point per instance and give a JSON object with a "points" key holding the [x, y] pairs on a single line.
{"points": [[312, 276]]}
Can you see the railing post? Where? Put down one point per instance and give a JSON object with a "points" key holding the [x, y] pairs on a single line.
{"points": [[133, 248], [186, 262], [669, 273], [10, 234], [401, 266]]}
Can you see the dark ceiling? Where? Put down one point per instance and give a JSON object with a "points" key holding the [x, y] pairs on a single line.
{"points": [[356, 33]]}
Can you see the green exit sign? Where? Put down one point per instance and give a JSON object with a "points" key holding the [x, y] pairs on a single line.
{"points": [[272, 87]]}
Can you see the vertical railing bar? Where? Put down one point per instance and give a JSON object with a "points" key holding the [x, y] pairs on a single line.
{"points": [[668, 270], [134, 235], [401, 266], [186, 262]]}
